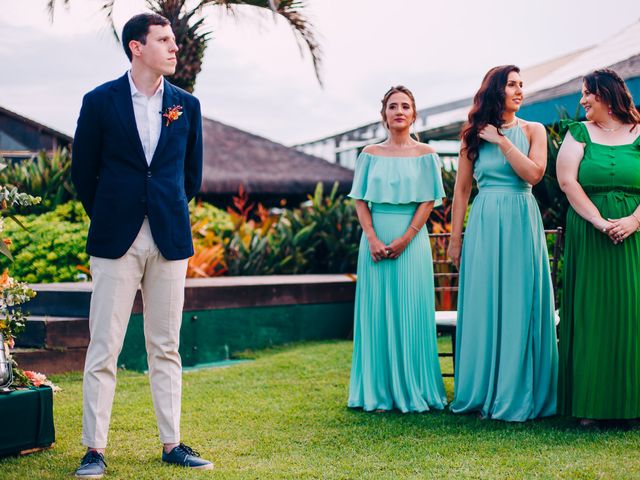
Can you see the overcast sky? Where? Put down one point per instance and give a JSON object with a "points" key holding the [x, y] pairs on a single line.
{"points": [[254, 78]]}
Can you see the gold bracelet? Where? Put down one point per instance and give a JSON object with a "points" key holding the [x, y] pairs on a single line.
{"points": [[508, 151], [414, 227]]}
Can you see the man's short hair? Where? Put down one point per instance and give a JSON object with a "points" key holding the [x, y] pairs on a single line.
{"points": [[137, 29]]}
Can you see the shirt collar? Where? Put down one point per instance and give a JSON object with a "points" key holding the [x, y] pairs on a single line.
{"points": [[135, 91]]}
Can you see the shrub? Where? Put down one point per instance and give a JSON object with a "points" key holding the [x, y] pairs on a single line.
{"points": [[53, 248], [46, 176], [321, 237]]}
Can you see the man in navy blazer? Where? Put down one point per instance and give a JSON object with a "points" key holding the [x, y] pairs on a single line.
{"points": [[137, 161]]}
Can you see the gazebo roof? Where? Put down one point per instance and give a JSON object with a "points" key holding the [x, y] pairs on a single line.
{"points": [[234, 157]]}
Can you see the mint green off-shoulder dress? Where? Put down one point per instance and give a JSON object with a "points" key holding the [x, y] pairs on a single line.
{"points": [[506, 352], [395, 357]]}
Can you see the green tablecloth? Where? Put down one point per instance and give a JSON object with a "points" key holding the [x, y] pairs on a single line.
{"points": [[26, 418]]}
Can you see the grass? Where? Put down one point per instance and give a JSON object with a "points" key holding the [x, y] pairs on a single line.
{"points": [[283, 416]]}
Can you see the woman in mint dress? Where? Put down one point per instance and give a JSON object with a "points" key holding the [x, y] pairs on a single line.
{"points": [[396, 184], [599, 170], [506, 354]]}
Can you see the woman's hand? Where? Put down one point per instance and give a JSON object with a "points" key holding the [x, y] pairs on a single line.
{"points": [[396, 247], [490, 134], [622, 228], [378, 249], [454, 251], [603, 226]]}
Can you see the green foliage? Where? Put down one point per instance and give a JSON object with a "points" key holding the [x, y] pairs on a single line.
{"points": [[552, 201], [46, 176], [53, 247], [331, 228], [217, 220], [321, 237]]}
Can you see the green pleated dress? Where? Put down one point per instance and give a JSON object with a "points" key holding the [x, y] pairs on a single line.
{"points": [[395, 357], [600, 308]]}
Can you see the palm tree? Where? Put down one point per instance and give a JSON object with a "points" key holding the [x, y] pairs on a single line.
{"points": [[192, 36]]}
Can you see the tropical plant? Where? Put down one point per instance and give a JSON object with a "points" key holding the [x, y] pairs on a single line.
{"points": [[333, 222], [551, 199], [45, 175], [192, 36]]}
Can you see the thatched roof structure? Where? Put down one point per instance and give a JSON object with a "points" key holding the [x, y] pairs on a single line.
{"points": [[269, 171]]}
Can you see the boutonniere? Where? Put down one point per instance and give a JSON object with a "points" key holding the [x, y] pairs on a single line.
{"points": [[172, 114]]}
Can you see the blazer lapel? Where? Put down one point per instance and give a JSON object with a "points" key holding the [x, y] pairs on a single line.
{"points": [[124, 106], [169, 99]]}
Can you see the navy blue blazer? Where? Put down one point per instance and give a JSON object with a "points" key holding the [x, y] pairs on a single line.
{"points": [[116, 186]]}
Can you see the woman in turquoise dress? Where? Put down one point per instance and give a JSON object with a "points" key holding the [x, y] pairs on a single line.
{"points": [[599, 170], [506, 353], [396, 184]]}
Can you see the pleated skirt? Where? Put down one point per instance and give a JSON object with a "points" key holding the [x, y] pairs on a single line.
{"points": [[600, 317], [395, 358], [506, 352]]}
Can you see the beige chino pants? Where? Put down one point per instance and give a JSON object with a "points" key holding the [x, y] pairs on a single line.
{"points": [[115, 283]]}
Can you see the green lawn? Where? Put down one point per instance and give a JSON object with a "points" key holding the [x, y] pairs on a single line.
{"points": [[284, 416]]}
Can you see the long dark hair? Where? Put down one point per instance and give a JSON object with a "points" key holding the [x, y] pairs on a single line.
{"points": [[487, 108], [611, 90]]}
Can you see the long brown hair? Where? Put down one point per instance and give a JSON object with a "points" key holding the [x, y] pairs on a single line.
{"points": [[610, 88], [487, 108]]}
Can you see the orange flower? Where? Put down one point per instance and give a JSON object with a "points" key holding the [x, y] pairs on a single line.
{"points": [[172, 114]]}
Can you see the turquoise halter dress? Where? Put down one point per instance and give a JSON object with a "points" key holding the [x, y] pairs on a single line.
{"points": [[506, 352]]}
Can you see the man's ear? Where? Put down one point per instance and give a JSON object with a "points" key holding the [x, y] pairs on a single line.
{"points": [[136, 48]]}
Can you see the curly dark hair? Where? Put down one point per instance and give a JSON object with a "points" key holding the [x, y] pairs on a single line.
{"points": [[611, 90], [487, 108]]}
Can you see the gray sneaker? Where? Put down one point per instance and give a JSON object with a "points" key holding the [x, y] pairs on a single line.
{"points": [[186, 457], [92, 465]]}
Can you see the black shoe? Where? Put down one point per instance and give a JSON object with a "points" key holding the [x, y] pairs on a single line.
{"points": [[186, 457], [92, 465]]}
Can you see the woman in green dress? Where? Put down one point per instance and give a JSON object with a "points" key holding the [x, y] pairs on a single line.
{"points": [[396, 185], [506, 353], [599, 171]]}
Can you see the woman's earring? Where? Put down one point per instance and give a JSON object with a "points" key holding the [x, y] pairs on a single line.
{"points": [[610, 111]]}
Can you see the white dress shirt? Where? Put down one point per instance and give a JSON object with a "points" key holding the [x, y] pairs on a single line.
{"points": [[148, 113]]}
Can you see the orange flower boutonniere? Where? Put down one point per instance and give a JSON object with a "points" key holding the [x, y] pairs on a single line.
{"points": [[172, 114]]}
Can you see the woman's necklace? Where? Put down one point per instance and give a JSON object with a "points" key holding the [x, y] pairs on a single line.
{"points": [[605, 129], [509, 124]]}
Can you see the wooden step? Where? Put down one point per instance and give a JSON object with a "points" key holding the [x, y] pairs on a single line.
{"points": [[54, 332], [50, 361]]}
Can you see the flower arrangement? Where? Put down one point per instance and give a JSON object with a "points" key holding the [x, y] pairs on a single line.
{"points": [[13, 294]]}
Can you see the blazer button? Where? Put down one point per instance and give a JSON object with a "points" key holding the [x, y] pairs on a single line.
{"points": [[148, 173]]}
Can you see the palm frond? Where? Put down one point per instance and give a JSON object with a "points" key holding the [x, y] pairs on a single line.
{"points": [[107, 10], [51, 7], [293, 13]]}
